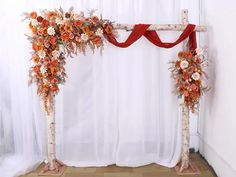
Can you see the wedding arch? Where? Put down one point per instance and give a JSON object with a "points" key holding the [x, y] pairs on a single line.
{"points": [[55, 34]]}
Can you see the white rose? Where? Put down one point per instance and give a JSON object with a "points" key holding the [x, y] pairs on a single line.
{"points": [[199, 51], [43, 69], [196, 76], [84, 37], [59, 21], [41, 54], [55, 54], [51, 31], [34, 22], [183, 64], [99, 32]]}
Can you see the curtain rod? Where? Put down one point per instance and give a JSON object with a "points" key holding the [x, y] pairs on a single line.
{"points": [[161, 27]]}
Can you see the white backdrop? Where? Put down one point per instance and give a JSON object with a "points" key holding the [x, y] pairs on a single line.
{"points": [[116, 108]]}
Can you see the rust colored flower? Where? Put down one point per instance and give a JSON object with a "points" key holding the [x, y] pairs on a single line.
{"points": [[39, 19], [52, 40], [177, 64], [67, 15], [54, 88], [185, 76], [65, 36], [78, 23], [33, 15], [45, 23], [108, 29], [180, 55], [95, 19], [97, 41]]}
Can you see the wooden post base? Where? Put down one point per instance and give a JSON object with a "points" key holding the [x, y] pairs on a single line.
{"points": [[191, 170], [58, 171]]}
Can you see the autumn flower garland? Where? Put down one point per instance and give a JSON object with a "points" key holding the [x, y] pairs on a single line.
{"points": [[187, 72], [55, 34]]}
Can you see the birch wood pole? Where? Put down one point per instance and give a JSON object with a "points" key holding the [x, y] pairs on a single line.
{"points": [[51, 134], [185, 118]]}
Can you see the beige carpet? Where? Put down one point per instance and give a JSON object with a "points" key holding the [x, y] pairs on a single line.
{"points": [[151, 170]]}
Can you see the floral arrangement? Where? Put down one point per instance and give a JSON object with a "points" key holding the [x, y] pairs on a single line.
{"points": [[55, 34], [187, 72]]}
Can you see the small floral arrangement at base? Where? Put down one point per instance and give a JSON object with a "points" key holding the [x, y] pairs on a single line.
{"points": [[187, 72], [55, 34]]}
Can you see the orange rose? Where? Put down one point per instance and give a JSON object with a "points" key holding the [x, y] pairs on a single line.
{"points": [[45, 23], [35, 58], [108, 29], [86, 29], [51, 14], [52, 40], [78, 23], [54, 70], [36, 69], [188, 55], [54, 62], [91, 34], [97, 41], [35, 47], [33, 15], [65, 36], [68, 28]]}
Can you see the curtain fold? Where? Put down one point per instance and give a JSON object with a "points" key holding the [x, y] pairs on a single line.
{"points": [[117, 108]]}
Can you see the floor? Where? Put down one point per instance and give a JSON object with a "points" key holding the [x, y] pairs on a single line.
{"points": [[152, 170]]}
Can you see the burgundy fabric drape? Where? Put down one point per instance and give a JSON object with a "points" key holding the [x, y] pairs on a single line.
{"points": [[141, 30]]}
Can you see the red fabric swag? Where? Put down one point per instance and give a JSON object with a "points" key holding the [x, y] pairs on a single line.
{"points": [[141, 29]]}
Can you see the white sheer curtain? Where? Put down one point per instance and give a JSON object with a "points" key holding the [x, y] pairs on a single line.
{"points": [[116, 108]]}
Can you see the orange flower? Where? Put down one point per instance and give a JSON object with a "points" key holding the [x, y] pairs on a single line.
{"points": [[78, 23], [188, 55], [91, 34], [52, 23], [177, 64], [54, 70], [51, 14], [54, 62], [35, 47], [97, 41], [35, 58], [36, 69], [33, 15], [86, 29], [65, 36], [52, 40], [68, 28], [45, 23], [108, 29]]}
